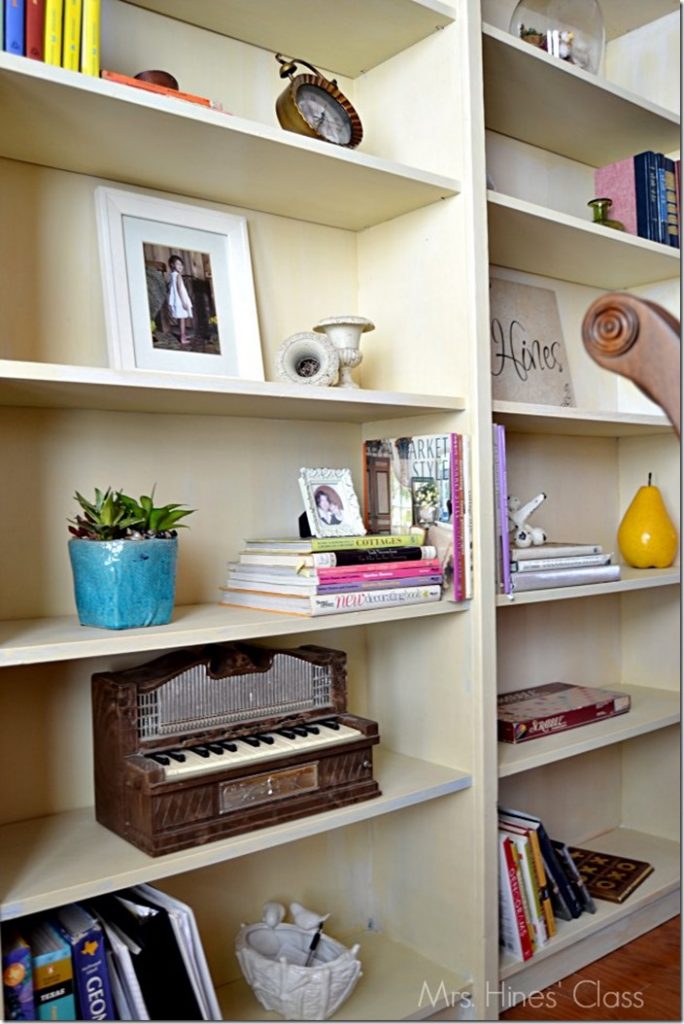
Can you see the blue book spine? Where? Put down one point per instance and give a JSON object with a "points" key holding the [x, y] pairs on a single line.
{"points": [[14, 27], [17, 978], [91, 974], [646, 187]]}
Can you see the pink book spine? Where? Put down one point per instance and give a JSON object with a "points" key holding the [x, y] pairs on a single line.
{"points": [[616, 181], [428, 567], [456, 465]]}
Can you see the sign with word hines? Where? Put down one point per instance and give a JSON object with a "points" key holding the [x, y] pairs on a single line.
{"points": [[529, 362]]}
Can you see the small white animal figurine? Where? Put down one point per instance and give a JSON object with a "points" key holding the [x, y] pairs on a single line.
{"points": [[307, 919], [272, 913], [523, 534]]}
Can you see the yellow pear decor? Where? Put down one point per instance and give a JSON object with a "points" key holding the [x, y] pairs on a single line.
{"points": [[647, 537]]}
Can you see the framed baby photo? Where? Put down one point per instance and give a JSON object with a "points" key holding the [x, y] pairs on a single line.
{"points": [[177, 286], [330, 501]]}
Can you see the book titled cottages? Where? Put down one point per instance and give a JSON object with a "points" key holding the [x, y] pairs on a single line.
{"points": [[554, 707]]}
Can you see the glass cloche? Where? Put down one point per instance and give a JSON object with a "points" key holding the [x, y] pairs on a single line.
{"points": [[572, 30]]}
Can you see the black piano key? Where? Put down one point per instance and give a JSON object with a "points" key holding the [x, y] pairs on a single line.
{"points": [[202, 751], [159, 758], [329, 723], [313, 729], [265, 738], [215, 748], [300, 730], [177, 755], [253, 741], [227, 745], [289, 734]]}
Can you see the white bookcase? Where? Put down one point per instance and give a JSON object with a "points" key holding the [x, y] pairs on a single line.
{"points": [[400, 231]]}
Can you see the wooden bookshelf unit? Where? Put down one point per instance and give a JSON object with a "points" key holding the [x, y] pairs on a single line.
{"points": [[403, 231]]}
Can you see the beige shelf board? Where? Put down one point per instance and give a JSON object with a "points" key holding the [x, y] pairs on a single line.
{"points": [[54, 386], [525, 236], [59, 118], [651, 709], [551, 104], [663, 854], [34, 641], [346, 38], [632, 579], [525, 418], [397, 984], [69, 856]]}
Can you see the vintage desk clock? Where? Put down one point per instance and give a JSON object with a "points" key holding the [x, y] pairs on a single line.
{"points": [[312, 105]]}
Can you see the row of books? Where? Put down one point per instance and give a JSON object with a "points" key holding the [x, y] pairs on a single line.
{"points": [[328, 575], [131, 955], [65, 33], [645, 194], [540, 566], [543, 880]]}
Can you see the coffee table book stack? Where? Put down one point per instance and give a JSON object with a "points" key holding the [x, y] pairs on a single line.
{"points": [[326, 576]]}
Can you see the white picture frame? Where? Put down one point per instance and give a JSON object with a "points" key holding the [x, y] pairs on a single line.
{"points": [[330, 502], [142, 240]]}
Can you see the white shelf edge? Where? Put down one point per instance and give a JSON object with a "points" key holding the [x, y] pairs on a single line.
{"points": [[94, 860], [632, 579], [56, 385], [664, 854], [400, 977], [545, 418], [33, 641], [651, 709], [561, 67]]}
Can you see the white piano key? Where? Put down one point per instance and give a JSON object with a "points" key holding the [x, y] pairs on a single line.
{"points": [[195, 764]]}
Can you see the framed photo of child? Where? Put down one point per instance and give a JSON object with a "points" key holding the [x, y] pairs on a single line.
{"points": [[178, 287], [330, 502]]}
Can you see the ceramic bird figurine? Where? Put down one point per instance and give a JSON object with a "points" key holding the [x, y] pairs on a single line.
{"points": [[272, 913], [307, 919]]}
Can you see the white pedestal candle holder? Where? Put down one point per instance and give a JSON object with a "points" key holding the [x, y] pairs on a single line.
{"points": [[345, 334]]}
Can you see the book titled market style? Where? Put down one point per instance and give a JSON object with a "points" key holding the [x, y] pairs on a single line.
{"points": [[554, 707]]}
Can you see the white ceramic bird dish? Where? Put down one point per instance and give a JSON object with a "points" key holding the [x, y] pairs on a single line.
{"points": [[289, 976]]}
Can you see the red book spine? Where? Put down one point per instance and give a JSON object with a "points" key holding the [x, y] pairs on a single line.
{"points": [[35, 29], [518, 905]]}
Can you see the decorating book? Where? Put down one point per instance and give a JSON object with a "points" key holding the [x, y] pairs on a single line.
{"points": [[423, 481], [608, 876], [331, 604], [554, 707]]}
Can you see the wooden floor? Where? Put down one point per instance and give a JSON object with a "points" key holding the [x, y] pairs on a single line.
{"points": [[640, 981]]}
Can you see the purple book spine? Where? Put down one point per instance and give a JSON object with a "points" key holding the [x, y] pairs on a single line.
{"points": [[503, 511], [458, 589]]}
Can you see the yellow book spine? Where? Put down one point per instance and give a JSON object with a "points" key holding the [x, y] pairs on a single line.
{"points": [[71, 42], [53, 31], [90, 38]]}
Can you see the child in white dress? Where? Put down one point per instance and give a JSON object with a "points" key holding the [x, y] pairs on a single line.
{"points": [[180, 305]]}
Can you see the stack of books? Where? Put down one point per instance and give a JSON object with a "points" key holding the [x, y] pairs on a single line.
{"points": [[65, 33], [645, 194], [327, 575], [543, 880], [559, 564]]}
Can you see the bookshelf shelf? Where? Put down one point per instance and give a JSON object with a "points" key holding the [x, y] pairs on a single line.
{"points": [[401, 977], [592, 935], [550, 419], [55, 386], [548, 103], [198, 152], [69, 856], [651, 709], [533, 238], [389, 27], [32, 641], [632, 579]]}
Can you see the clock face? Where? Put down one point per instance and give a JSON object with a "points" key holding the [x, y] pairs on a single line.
{"points": [[324, 114]]}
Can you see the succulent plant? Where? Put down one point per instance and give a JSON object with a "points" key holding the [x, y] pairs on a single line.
{"points": [[114, 515]]}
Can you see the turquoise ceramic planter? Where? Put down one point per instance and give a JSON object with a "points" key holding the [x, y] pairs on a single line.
{"points": [[120, 584]]}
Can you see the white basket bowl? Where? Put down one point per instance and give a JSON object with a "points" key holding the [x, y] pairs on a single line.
{"points": [[273, 963]]}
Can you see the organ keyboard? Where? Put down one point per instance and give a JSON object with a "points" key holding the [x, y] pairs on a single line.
{"points": [[206, 743]]}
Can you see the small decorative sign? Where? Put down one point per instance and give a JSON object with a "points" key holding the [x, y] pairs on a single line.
{"points": [[529, 361]]}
